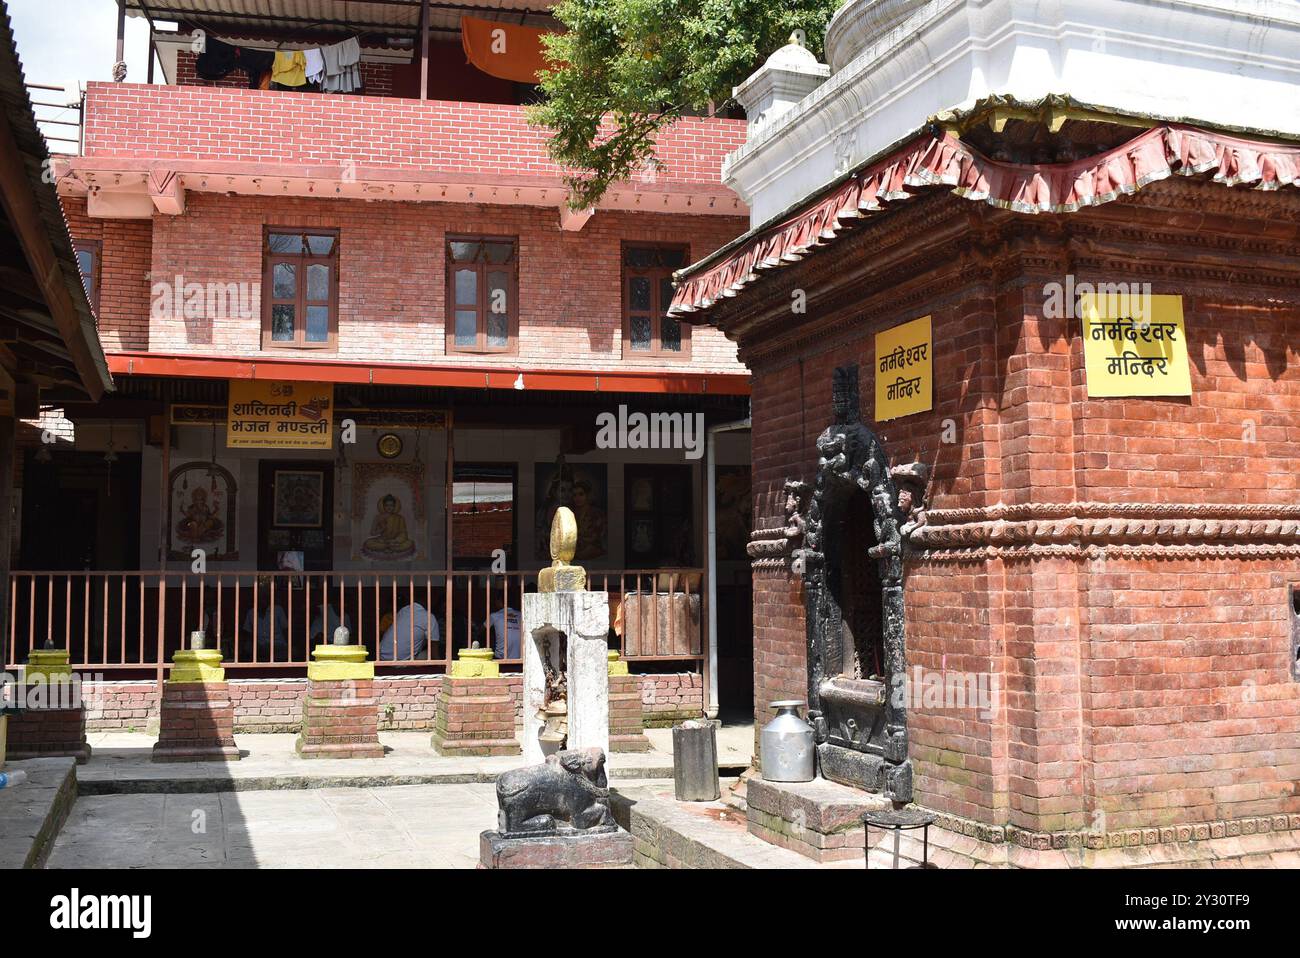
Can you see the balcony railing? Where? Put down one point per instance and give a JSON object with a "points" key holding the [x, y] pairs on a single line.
{"points": [[131, 623]]}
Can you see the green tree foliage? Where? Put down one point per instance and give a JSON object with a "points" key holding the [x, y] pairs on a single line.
{"points": [[644, 63]]}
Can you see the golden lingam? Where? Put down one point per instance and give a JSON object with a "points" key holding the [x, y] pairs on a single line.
{"points": [[560, 576]]}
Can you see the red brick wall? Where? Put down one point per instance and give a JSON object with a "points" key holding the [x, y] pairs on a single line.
{"points": [[127, 253], [275, 705], [391, 276], [456, 138], [780, 665], [667, 699], [1140, 687]]}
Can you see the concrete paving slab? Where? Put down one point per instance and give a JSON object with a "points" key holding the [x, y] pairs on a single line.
{"points": [[122, 763], [32, 813]]}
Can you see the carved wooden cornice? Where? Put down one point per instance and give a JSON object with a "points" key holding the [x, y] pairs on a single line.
{"points": [[1098, 529]]}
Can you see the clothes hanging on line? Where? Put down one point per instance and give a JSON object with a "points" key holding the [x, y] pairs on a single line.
{"points": [[342, 67], [315, 66], [290, 68], [257, 64], [217, 60]]}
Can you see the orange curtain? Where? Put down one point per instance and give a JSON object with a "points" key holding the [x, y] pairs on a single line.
{"points": [[503, 50]]}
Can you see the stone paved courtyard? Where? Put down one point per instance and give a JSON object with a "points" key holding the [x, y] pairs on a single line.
{"points": [[405, 826]]}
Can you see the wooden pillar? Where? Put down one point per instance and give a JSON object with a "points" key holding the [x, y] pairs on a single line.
{"points": [[447, 639], [7, 461], [164, 502], [424, 52], [153, 53]]}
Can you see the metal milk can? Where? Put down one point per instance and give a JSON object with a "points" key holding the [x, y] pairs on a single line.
{"points": [[786, 749]]}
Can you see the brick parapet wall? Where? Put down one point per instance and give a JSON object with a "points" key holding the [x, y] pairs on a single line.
{"points": [[459, 139], [405, 703]]}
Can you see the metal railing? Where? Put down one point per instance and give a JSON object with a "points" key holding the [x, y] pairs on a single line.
{"points": [[77, 108], [123, 622]]}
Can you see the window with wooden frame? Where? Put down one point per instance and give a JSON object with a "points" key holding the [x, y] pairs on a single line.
{"points": [[300, 289], [647, 294], [88, 261], [482, 294]]}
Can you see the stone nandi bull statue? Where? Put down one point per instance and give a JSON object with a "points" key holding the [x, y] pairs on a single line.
{"points": [[570, 787]]}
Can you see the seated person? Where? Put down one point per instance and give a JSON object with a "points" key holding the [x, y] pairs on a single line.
{"points": [[323, 634], [505, 632], [268, 625], [413, 633]]}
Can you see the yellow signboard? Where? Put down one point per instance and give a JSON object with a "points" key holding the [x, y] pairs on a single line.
{"points": [[263, 414], [1135, 346], [904, 376]]}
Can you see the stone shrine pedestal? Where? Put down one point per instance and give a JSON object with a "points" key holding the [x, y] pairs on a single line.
{"points": [[53, 723], [607, 849], [476, 712], [197, 717], [573, 625], [340, 714]]}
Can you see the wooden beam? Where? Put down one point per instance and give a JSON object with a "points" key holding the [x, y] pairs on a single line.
{"points": [[21, 283], [7, 450], [26, 221], [27, 401]]}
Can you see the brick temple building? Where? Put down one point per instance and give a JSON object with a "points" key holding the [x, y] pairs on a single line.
{"points": [[1020, 297], [360, 345]]}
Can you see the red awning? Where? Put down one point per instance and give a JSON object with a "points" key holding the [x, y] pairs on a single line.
{"points": [[930, 161], [507, 51]]}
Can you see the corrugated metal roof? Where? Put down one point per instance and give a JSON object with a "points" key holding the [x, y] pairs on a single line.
{"points": [[17, 115], [342, 17]]}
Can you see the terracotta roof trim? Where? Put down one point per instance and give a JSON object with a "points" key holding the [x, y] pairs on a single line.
{"points": [[932, 160]]}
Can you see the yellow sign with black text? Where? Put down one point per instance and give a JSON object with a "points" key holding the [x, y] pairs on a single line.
{"points": [[904, 374], [1134, 346], [263, 414]]}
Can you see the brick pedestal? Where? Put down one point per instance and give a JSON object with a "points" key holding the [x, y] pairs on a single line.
{"points": [[476, 712], [340, 719], [340, 714], [196, 716], [626, 727], [196, 723], [53, 723], [49, 733]]}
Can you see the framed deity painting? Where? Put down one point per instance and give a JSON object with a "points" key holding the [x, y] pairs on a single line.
{"points": [[299, 499], [203, 507]]}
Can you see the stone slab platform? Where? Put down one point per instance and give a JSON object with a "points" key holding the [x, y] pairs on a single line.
{"points": [[32, 813], [819, 819], [671, 834], [121, 765], [604, 850]]}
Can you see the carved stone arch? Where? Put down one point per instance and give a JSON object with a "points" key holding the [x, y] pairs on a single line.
{"points": [[853, 587]]}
